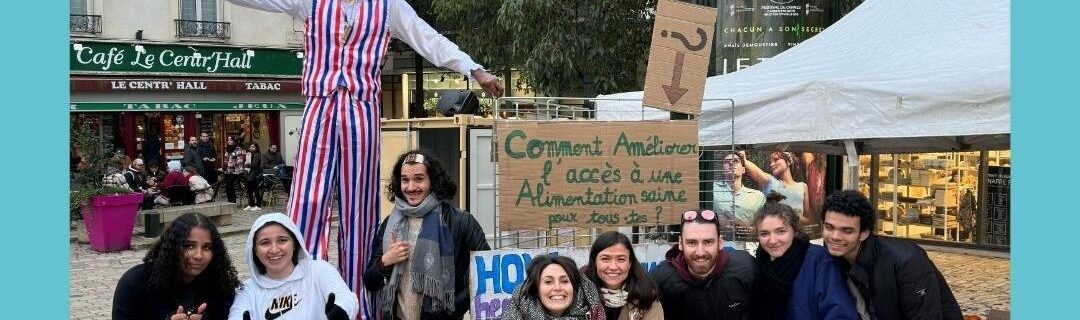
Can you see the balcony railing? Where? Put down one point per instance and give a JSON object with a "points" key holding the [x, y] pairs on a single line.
{"points": [[82, 23], [202, 29]]}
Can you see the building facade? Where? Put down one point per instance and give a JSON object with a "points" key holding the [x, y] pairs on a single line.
{"points": [[152, 73]]}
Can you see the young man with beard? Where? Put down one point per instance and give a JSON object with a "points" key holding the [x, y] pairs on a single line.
{"points": [[701, 280], [191, 155], [889, 278]]}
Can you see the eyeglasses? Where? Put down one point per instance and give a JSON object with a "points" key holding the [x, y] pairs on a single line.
{"points": [[707, 215]]}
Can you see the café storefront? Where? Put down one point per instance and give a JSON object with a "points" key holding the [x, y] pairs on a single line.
{"points": [[147, 99]]}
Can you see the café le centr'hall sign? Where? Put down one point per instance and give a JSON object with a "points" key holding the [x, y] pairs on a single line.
{"points": [[145, 58]]}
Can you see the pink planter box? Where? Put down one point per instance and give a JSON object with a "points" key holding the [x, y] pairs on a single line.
{"points": [[110, 220]]}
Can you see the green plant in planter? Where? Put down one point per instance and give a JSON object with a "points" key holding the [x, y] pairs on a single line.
{"points": [[97, 157]]}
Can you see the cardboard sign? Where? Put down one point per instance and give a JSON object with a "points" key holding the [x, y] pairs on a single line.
{"points": [[679, 56], [495, 274], [595, 174]]}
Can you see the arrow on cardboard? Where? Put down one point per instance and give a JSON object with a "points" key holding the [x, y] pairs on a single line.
{"points": [[674, 92]]}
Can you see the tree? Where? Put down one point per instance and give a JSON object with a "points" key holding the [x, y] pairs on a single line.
{"points": [[563, 47]]}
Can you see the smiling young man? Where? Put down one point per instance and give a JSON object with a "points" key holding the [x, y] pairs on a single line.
{"points": [[701, 280], [420, 253], [889, 278]]}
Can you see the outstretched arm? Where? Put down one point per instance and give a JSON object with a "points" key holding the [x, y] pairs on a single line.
{"points": [[297, 8], [759, 176], [407, 26]]}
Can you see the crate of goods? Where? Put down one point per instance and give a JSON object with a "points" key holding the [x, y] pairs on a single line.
{"points": [[918, 192], [920, 177], [940, 219], [945, 197], [940, 164]]}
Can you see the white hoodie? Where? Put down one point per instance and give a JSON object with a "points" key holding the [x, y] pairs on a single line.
{"points": [[301, 295]]}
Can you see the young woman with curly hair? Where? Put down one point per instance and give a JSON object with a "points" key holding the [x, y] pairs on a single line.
{"points": [[186, 274]]}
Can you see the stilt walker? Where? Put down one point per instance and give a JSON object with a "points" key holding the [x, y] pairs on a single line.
{"points": [[345, 43]]}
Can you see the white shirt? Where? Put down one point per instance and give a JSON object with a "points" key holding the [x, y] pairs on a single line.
{"points": [[403, 24]]}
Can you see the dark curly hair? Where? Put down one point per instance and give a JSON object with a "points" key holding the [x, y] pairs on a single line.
{"points": [[441, 184], [853, 204], [536, 270], [773, 208], [167, 253], [641, 289]]}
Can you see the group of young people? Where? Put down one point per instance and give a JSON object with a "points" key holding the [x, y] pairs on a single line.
{"points": [[418, 269], [856, 275]]}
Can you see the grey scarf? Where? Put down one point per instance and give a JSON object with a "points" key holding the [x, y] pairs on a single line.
{"points": [[432, 260], [586, 305]]}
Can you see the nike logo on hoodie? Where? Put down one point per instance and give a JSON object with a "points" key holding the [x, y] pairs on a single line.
{"points": [[280, 306]]}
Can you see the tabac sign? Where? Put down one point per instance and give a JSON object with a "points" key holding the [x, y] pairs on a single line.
{"points": [[595, 174], [679, 56], [145, 58]]}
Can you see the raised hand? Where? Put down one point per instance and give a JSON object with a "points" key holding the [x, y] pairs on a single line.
{"points": [[489, 82], [198, 315], [179, 315], [398, 252], [333, 311]]}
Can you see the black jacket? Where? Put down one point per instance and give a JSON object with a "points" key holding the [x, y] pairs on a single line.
{"points": [[724, 297], [132, 299], [898, 281], [192, 158], [468, 236], [271, 160], [136, 180], [207, 150], [254, 167]]}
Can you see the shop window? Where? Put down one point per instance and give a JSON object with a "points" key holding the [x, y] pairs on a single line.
{"points": [[172, 129], [925, 195], [248, 128]]}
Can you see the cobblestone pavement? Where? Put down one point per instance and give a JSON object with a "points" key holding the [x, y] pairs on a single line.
{"points": [[980, 283]]}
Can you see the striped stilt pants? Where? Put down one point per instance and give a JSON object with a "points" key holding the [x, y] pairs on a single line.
{"points": [[339, 146]]}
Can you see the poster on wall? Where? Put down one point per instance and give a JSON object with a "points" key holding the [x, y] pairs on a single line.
{"points": [[751, 31], [998, 184], [494, 274], [742, 180]]}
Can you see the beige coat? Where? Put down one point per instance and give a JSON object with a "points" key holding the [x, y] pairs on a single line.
{"points": [[656, 312]]}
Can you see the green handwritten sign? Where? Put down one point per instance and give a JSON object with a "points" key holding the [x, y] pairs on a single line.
{"points": [[593, 174]]}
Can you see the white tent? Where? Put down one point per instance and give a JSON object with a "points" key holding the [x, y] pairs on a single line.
{"points": [[892, 76]]}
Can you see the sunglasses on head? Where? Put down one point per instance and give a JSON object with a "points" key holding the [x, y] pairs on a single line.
{"points": [[413, 158], [707, 215]]}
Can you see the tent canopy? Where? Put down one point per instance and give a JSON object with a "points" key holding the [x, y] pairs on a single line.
{"points": [[895, 76]]}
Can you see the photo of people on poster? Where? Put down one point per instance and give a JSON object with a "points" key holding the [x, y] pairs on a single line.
{"points": [[746, 177]]}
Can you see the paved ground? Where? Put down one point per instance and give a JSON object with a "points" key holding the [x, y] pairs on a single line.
{"points": [[980, 283]]}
